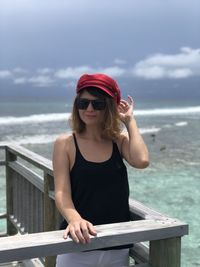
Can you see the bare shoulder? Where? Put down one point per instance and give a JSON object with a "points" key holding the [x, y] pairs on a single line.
{"points": [[123, 136], [64, 141]]}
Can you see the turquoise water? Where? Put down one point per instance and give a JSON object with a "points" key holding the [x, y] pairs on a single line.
{"points": [[170, 184]]}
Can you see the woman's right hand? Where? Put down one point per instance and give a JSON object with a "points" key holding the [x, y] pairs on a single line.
{"points": [[80, 231]]}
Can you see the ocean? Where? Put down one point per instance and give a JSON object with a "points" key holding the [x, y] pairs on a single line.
{"points": [[170, 184]]}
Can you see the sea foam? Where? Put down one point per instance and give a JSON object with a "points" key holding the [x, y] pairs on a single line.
{"points": [[36, 118], [167, 111], [49, 117]]}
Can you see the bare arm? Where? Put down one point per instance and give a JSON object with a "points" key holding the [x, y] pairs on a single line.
{"points": [[133, 147], [78, 228]]}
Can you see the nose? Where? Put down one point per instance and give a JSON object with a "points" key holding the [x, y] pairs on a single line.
{"points": [[90, 107]]}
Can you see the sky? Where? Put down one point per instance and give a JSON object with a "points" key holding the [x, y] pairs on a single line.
{"points": [[50, 43]]}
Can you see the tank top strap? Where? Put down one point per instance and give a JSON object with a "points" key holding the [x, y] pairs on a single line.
{"points": [[115, 148], [75, 142], [76, 145], [116, 153]]}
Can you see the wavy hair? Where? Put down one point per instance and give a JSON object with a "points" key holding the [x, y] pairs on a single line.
{"points": [[111, 125]]}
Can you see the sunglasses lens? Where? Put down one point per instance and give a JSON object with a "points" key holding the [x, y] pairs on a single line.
{"points": [[97, 104], [82, 103]]}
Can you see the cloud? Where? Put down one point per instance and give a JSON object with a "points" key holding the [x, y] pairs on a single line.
{"points": [[72, 73], [20, 80], [45, 71], [41, 81], [182, 65], [76, 72], [4, 74], [158, 66], [113, 71], [19, 70], [119, 61]]}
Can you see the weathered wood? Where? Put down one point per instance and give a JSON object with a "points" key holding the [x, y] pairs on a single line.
{"points": [[141, 265], [140, 253], [2, 162], [31, 203], [31, 157], [33, 263], [12, 264], [52, 243], [9, 191], [3, 215], [49, 214], [3, 146], [28, 174], [143, 212], [40, 210], [31, 190], [165, 253]]}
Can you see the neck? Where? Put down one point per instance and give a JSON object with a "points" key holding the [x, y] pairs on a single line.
{"points": [[92, 133]]}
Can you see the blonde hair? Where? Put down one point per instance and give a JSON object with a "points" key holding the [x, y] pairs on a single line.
{"points": [[111, 125]]}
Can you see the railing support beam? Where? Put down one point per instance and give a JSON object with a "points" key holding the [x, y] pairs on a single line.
{"points": [[165, 252], [11, 230], [49, 214]]}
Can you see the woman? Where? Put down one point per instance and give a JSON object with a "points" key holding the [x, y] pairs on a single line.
{"points": [[91, 184]]}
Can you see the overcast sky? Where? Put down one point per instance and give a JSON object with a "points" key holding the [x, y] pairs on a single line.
{"points": [[46, 42]]}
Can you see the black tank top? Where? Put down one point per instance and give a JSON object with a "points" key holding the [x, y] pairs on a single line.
{"points": [[100, 190]]}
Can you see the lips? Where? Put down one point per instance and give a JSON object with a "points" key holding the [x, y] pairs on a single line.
{"points": [[90, 115]]}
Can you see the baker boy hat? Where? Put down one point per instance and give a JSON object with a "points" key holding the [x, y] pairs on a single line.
{"points": [[102, 82]]}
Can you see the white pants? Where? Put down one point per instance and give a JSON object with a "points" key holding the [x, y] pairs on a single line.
{"points": [[97, 258]]}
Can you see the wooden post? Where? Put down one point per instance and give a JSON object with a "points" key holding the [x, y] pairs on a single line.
{"points": [[9, 194], [49, 214], [165, 252]]}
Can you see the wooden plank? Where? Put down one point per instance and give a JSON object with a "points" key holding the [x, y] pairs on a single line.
{"points": [[141, 265], [12, 264], [32, 157], [31, 202], [144, 212], [49, 214], [3, 146], [3, 215], [2, 162], [9, 192], [33, 263], [165, 253], [52, 243], [28, 174], [140, 253]]}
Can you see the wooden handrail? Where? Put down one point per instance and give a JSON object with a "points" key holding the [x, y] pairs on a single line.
{"points": [[31, 208], [52, 243], [30, 156]]}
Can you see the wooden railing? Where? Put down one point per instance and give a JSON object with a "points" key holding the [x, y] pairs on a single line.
{"points": [[31, 209]]}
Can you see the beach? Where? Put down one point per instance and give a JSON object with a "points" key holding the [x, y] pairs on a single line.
{"points": [[170, 184]]}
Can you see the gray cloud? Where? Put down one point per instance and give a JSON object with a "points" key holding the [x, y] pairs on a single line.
{"points": [[158, 66], [182, 65], [74, 73], [4, 74], [41, 81]]}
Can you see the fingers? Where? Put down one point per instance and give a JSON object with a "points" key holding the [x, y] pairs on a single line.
{"points": [[130, 99], [125, 103], [80, 231], [92, 229], [66, 233], [76, 234]]}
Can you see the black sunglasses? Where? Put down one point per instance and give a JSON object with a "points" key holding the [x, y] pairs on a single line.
{"points": [[97, 104]]}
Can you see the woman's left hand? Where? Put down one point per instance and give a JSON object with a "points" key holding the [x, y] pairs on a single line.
{"points": [[125, 109]]}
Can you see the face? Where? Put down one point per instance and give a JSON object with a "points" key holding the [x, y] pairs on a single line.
{"points": [[91, 113]]}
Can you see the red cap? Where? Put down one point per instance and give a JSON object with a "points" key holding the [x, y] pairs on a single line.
{"points": [[101, 81]]}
